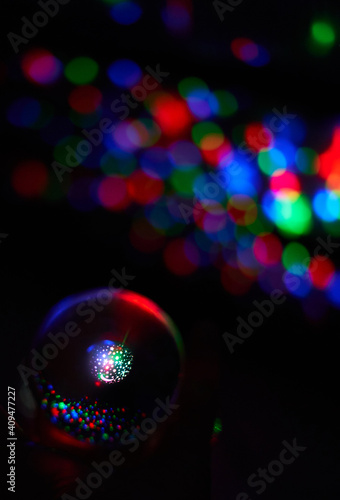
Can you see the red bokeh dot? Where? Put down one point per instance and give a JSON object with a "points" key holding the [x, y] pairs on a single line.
{"points": [[176, 258], [41, 67], [242, 209], [85, 99], [112, 193], [30, 179], [234, 281], [244, 49], [214, 156], [144, 189], [321, 271], [285, 182], [257, 136], [172, 115], [267, 249], [329, 160]]}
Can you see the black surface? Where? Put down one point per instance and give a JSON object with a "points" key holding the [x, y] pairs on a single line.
{"points": [[283, 382]]}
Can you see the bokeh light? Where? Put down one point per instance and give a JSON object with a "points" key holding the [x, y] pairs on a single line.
{"points": [[321, 271], [204, 185], [30, 178], [267, 249], [323, 33], [113, 194], [179, 257], [249, 52], [85, 99], [81, 70], [176, 16], [124, 73], [126, 12], [41, 67]]}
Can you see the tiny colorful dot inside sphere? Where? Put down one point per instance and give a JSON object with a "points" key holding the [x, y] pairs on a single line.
{"points": [[110, 362]]}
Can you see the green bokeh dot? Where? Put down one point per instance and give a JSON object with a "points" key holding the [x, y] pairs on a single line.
{"points": [[85, 120], [111, 165], [260, 225], [293, 217], [188, 86], [271, 160], [295, 254], [183, 181], [332, 228], [323, 33], [227, 103], [65, 152], [307, 160], [202, 129], [81, 70]]}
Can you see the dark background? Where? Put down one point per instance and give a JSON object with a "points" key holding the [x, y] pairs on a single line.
{"points": [[283, 382]]}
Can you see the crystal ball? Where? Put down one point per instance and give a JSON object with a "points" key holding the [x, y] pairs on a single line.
{"points": [[104, 364]]}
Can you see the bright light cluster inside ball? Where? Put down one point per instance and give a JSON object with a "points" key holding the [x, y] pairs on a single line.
{"points": [[110, 362]]}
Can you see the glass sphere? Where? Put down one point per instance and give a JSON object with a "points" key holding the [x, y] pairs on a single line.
{"points": [[107, 360]]}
